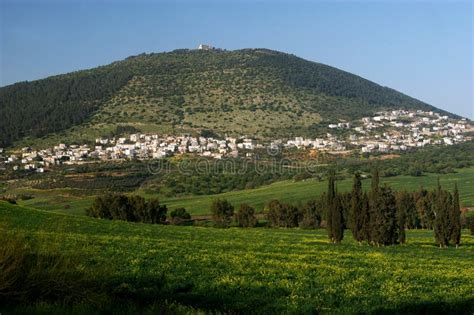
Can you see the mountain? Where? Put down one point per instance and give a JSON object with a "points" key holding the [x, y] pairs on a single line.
{"points": [[250, 91]]}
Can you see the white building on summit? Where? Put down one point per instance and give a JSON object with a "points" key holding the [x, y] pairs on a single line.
{"points": [[205, 47]]}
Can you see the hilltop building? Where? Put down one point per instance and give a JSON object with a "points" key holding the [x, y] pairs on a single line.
{"points": [[205, 47]]}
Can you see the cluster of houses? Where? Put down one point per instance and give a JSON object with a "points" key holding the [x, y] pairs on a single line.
{"points": [[135, 146], [388, 131], [403, 129]]}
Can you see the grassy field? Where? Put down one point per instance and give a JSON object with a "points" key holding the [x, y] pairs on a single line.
{"points": [[287, 191], [261, 269]]}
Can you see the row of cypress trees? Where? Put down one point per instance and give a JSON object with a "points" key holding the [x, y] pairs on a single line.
{"points": [[380, 217]]}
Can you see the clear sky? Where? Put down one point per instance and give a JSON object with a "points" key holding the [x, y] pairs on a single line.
{"points": [[421, 48]]}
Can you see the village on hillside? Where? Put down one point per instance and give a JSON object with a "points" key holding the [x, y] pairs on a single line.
{"points": [[385, 132]]}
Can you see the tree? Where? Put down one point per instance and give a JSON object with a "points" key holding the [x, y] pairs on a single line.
{"points": [[365, 218], [138, 208], [156, 213], [222, 212], [441, 222], [374, 208], [345, 200], [423, 205], [455, 217], [337, 220], [375, 180], [402, 206], [311, 215], [411, 214], [290, 216], [384, 229], [179, 215], [331, 195], [356, 215], [273, 213], [100, 207], [128, 208], [246, 216], [282, 215]]}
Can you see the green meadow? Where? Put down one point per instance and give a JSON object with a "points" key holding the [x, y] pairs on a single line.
{"points": [[259, 270], [63, 200]]}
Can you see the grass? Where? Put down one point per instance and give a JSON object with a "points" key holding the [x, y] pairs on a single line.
{"points": [[294, 192], [264, 270], [61, 200]]}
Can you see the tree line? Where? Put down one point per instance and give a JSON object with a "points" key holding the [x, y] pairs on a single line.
{"points": [[381, 216], [128, 208], [378, 217], [135, 208]]}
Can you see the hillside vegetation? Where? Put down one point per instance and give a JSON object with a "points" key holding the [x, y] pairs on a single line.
{"points": [[251, 91], [69, 200]]}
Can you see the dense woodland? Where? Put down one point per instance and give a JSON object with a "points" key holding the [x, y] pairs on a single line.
{"points": [[34, 109], [176, 82]]}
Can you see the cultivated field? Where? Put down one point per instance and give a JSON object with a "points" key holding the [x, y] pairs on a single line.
{"points": [[262, 269]]}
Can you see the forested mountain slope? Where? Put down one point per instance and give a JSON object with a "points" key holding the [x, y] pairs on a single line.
{"points": [[250, 91]]}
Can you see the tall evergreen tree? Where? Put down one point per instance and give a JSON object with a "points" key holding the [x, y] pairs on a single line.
{"points": [[384, 229], [412, 218], [374, 207], [441, 222], [423, 205], [375, 179], [402, 206], [331, 195], [365, 218], [455, 217], [337, 220], [356, 219]]}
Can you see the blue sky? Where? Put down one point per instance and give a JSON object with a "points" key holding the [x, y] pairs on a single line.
{"points": [[421, 48]]}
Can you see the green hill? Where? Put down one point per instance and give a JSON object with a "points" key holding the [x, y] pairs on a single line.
{"points": [[250, 91]]}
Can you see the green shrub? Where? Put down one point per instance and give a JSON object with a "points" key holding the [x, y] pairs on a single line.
{"points": [[222, 212], [127, 208], [179, 215], [246, 216]]}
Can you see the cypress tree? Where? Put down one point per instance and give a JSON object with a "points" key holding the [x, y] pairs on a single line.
{"points": [[337, 220], [402, 205], [331, 194], [365, 218], [389, 214], [375, 179], [412, 218], [374, 208], [441, 222], [422, 200], [455, 217], [430, 200], [356, 223], [384, 228]]}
